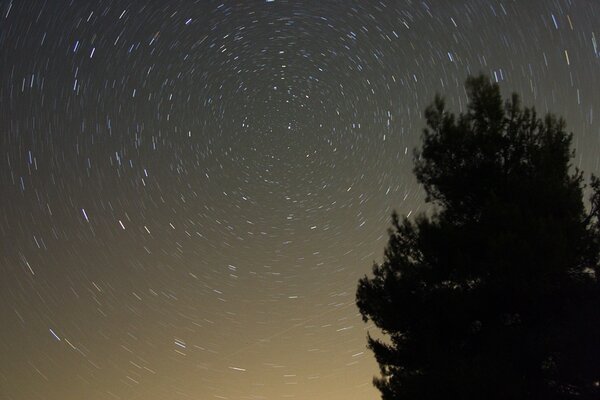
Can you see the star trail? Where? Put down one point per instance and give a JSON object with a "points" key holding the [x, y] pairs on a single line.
{"points": [[190, 190]]}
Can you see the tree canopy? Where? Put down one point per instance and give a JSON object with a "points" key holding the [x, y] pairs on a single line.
{"points": [[495, 293]]}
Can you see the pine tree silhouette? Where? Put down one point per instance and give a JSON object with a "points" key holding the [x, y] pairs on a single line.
{"points": [[495, 294]]}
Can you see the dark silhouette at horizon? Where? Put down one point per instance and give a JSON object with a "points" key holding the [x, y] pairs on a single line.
{"points": [[494, 294]]}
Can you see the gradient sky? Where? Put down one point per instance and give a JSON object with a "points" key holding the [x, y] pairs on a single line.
{"points": [[191, 190]]}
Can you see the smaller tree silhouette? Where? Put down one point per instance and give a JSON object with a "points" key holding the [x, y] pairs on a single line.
{"points": [[495, 295]]}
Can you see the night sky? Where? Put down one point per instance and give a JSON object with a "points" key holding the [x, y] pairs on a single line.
{"points": [[190, 191]]}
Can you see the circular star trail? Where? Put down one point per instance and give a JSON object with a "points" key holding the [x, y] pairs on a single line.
{"points": [[191, 190]]}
